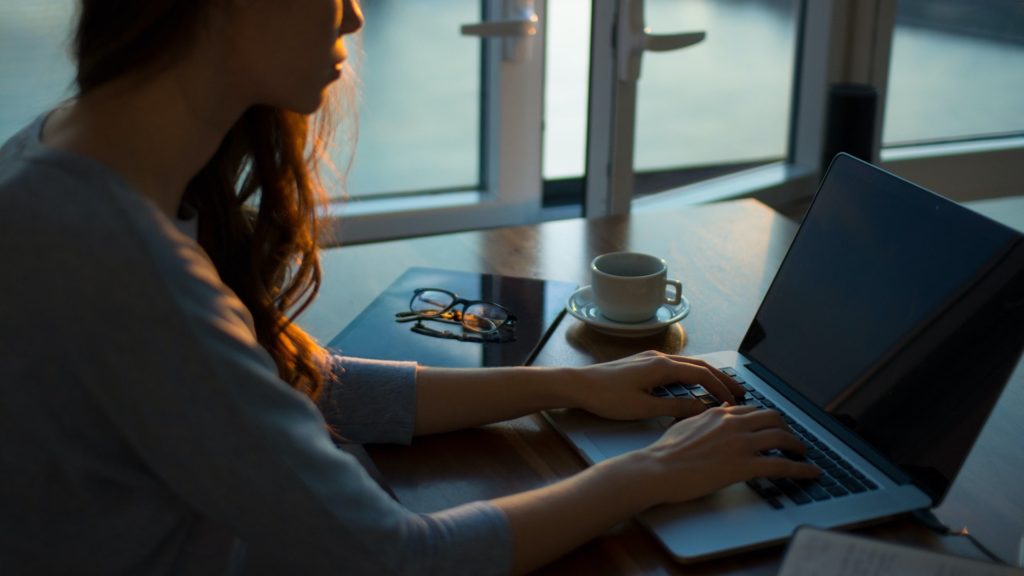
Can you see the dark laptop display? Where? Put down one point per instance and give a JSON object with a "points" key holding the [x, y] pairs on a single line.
{"points": [[915, 381]]}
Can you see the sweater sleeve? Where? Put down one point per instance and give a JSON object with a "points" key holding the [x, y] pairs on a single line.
{"points": [[369, 401]]}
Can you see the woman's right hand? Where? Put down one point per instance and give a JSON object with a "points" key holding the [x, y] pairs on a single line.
{"points": [[719, 447], [696, 457]]}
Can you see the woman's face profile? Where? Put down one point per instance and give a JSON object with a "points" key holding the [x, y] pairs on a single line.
{"points": [[290, 51]]}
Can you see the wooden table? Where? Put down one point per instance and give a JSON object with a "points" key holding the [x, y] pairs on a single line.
{"points": [[726, 255]]}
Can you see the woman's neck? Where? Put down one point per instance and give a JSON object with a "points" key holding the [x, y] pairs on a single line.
{"points": [[155, 131]]}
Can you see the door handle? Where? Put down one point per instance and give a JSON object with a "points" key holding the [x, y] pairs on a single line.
{"points": [[633, 39], [515, 31]]}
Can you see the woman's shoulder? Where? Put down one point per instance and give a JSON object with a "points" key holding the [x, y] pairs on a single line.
{"points": [[42, 187], [64, 196], [69, 218]]}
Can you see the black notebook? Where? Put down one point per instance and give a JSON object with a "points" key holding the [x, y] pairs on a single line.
{"points": [[537, 304]]}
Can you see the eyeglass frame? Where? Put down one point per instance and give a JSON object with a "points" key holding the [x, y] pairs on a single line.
{"points": [[448, 315], [496, 337]]}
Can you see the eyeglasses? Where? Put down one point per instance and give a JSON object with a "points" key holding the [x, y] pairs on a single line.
{"points": [[486, 321]]}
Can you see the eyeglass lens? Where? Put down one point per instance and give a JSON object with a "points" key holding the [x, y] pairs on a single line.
{"points": [[476, 316]]}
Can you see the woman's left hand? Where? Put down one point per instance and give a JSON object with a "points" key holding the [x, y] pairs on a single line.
{"points": [[621, 389]]}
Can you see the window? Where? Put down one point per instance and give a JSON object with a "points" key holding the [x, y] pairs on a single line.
{"points": [[724, 101], [420, 116], [452, 119], [957, 71], [566, 74], [954, 96], [35, 70]]}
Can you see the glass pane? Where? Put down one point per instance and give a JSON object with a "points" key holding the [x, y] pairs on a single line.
{"points": [[725, 100], [419, 119], [957, 70], [566, 75], [35, 69]]}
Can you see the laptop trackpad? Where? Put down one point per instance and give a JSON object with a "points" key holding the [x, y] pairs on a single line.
{"points": [[731, 519], [609, 439]]}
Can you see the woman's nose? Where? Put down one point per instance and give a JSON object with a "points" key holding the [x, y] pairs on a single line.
{"points": [[352, 20]]}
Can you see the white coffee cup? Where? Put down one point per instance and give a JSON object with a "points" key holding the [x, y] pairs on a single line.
{"points": [[630, 286]]}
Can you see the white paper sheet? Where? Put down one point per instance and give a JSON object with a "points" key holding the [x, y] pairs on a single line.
{"points": [[824, 553]]}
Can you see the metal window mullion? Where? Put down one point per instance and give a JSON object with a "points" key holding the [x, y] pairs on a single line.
{"points": [[610, 122], [810, 90]]}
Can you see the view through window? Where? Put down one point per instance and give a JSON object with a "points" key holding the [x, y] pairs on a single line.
{"points": [[957, 71]]}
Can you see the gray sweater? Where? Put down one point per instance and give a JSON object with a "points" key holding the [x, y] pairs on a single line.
{"points": [[144, 430]]}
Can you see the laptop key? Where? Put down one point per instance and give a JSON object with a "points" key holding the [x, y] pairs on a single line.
{"points": [[814, 454], [852, 484], [817, 492], [764, 488], [869, 484], [828, 466], [660, 392], [840, 474], [791, 490], [825, 481], [837, 490], [774, 503], [800, 498], [677, 390]]}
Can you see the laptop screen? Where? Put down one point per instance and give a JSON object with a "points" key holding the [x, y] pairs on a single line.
{"points": [[877, 264]]}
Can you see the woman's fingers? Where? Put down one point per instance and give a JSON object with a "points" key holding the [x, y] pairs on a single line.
{"points": [[757, 418], [677, 407], [734, 387], [686, 407], [764, 440], [717, 377], [700, 374], [739, 410]]}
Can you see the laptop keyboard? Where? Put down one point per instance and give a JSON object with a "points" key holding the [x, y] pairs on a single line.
{"points": [[838, 477]]}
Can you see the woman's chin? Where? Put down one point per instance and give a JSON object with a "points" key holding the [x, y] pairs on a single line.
{"points": [[305, 106]]}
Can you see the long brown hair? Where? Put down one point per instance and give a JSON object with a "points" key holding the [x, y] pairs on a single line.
{"points": [[258, 197]]}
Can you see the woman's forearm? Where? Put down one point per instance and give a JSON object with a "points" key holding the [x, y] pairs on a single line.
{"points": [[451, 399], [548, 522]]}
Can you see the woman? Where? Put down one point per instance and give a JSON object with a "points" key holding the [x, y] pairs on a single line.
{"points": [[158, 409]]}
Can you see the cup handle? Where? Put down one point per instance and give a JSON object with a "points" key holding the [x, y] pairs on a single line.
{"points": [[679, 292]]}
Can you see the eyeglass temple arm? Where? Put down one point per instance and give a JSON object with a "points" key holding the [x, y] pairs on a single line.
{"points": [[414, 316]]}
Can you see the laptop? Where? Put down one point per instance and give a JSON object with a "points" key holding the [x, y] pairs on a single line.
{"points": [[885, 338]]}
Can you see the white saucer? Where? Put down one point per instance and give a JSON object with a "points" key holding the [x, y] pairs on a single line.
{"points": [[581, 305]]}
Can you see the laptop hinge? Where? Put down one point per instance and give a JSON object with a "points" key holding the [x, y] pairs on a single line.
{"points": [[828, 422]]}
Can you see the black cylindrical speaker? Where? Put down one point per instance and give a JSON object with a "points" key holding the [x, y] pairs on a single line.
{"points": [[850, 122]]}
